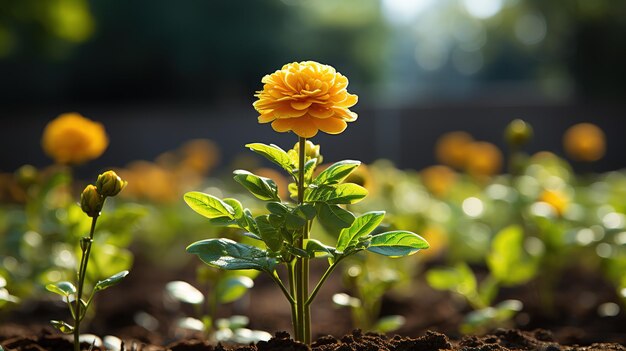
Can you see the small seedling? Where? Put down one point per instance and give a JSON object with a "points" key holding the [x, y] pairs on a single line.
{"points": [[91, 201], [508, 266]]}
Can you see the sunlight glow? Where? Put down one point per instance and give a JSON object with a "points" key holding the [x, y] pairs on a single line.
{"points": [[483, 8], [403, 11]]}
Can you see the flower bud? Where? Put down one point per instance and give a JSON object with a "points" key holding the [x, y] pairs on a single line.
{"points": [[518, 133], [109, 184], [26, 175], [310, 151], [91, 201]]}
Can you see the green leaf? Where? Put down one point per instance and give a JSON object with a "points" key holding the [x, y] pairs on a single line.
{"points": [[348, 193], [277, 208], [362, 225], [261, 187], [110, 281], [316, 248], [232, 288], [507, 260], [397, 243], [184, 292], [274, 154], [388, 324], [333, 217], [309, 168], [269, 234], [209, 205], [459, 278], [336, 173], [236, 205], [230, 255], [64, 289], [62, 327], [294, 222], [306, 210]]}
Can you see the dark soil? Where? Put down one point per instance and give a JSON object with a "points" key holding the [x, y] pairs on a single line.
{"points": [[573, 320], [499, 340]]}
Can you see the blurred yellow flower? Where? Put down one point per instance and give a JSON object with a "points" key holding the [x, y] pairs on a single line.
{"points": [[306, 97], [72, 139], [558, 200], [150, 181], [438, 240], [438, 179], [451, 148], [584, 142], [199, 155], [483, 159]]}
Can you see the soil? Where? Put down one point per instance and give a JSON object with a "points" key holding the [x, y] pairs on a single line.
{"points": [[432, 319], [499, 340]]}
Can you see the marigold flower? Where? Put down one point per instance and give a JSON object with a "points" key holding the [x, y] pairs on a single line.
{"points": [[73, 139], [483, 159], [451, 148], [306, 97], [438, 179], [584, 142]]}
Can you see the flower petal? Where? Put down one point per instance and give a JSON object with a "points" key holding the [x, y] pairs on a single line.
{"points": [[331, 125], [318, 111], [300, 105]]}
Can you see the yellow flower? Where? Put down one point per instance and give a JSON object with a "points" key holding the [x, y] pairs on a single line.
{"points": [[451, 148], [438, 179], [558, 200], [306, 97], [72, 139], [483, 159], [584, 142]]}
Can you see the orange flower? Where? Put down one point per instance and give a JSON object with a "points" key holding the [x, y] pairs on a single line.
{"points": [[451, 148], [584, 142], [483, 159], [306, 97], [72, 139], [438, 179]]}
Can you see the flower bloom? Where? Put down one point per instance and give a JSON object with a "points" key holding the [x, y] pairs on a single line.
{"points": [[483, 159], [451, 149], [584, 142], [73, 139], [306, 97], [557, 199]]}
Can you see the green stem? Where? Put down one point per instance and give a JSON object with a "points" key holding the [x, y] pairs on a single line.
{"points": [[292, 302], [321, 282], [303, 318], [82, 272], [276, 279]]}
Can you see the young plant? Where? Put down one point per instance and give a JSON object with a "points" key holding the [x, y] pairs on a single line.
{"points": [[91, 202], [508, 266], [369, 279], [304, 98], [226, 287]]}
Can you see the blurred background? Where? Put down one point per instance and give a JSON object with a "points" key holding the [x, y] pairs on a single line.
{"points": [[158, 74]]}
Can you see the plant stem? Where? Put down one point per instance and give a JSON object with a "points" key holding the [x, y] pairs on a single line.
{"points": [[292, 302], [302, 263], [82, 272], [321, 282]]}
